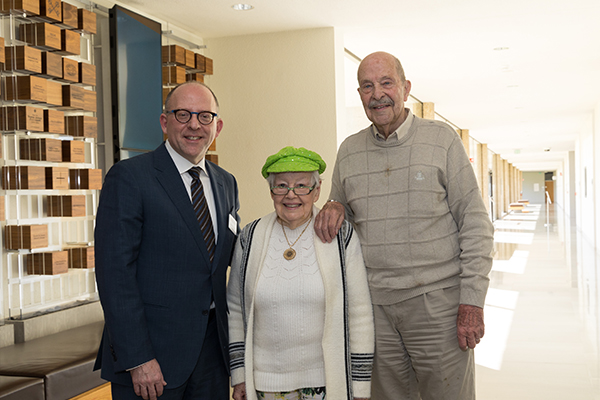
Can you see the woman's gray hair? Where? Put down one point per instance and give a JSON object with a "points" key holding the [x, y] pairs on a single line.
{"points": [[315, 179]]}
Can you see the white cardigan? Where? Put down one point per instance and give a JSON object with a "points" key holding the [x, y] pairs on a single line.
{"points": [[348, 337]]}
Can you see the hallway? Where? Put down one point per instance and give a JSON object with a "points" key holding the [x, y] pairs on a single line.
{"points": [[542, 333]]}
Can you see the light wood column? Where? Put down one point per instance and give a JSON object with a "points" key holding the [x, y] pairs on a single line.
{"points": [[505, 186], [417, 109], [485, 175], [428, 110], [464, 135], [497, 183]]}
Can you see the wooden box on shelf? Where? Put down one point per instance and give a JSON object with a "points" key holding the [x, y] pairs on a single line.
{"points": [[173, 75], [204, 64], [51, 10], [173, 54], [54, 121], [41, 150], [69, 42], [73, 151], [86, 20], [24, 59], [66, 206], [28, 7], [81, 126], [42, 35], [69, 15], [81, 257], [26, 236], [57, 178], [70, 70], [89, 100], [51, 263], [87, 74], [26, 88], [22, 118], [73, 96], [213, 158], [54, 94], [195, 77], [2, 54], [85, 179], [23, 178], [190, 59], [52, 65]]}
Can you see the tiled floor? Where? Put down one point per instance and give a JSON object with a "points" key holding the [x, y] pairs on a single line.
{"points": [[542, 332]]}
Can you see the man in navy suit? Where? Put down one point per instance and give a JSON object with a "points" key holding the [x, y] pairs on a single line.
{"points": [[164, 300]]}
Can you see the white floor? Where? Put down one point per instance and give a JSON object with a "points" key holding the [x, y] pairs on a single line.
{"points": [[542, 313]]}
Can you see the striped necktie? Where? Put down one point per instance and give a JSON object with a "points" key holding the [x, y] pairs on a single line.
{"points": [[202, 213]]}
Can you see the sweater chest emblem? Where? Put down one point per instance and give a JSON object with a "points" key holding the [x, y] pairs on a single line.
{"points": [[420, 176]]}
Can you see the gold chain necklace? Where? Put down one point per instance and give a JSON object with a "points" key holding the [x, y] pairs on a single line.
{"points": [[290, 253]]}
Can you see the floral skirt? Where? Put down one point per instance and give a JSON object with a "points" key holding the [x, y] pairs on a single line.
{"points": [[300, 394]]}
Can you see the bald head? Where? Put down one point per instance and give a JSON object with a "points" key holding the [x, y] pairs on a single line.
{"points": [[383, 90]]}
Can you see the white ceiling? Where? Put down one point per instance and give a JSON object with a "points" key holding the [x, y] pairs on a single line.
{"points": [[535, 94]]}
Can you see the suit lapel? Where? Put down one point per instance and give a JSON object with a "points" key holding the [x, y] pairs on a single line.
{"points": [[170, 180]]}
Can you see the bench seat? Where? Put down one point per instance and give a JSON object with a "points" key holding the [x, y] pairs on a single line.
{"points": [[63, 360], [21, 388]]}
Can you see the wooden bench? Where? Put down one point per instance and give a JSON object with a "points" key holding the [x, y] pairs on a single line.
{"points": [[61, 363]]}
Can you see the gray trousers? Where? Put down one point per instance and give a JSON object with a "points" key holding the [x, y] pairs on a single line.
{"points": [[416, 350]]}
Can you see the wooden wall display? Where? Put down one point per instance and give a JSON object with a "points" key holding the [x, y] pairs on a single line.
{"points": [[173, 75], [48, 91], [173, 55]]}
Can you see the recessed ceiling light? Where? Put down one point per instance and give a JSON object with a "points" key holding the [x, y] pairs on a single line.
{"points": [[242, 7], [500, 48]]}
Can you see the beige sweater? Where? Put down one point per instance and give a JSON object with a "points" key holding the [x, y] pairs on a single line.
{"points": [[418, 212]]}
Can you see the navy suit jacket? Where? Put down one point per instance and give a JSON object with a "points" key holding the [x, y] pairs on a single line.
{"points": [[154, 276]]}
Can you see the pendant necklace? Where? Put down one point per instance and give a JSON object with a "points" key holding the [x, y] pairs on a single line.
{"points": [[290, 253]]}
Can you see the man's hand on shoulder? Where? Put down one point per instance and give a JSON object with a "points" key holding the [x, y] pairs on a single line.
{"points": [[148, 380], [329, 221], [470, 326]]}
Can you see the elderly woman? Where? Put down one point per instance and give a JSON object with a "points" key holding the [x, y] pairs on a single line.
{"points": [[300, 322]]}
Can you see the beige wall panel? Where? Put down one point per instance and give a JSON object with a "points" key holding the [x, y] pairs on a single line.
{"points": [[428, 111], [275, 90]]}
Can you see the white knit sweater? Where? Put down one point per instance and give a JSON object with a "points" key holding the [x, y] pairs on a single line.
{"points": [[348, 333]]}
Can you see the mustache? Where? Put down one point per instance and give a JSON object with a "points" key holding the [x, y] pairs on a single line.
{"points": [[386, 101]]}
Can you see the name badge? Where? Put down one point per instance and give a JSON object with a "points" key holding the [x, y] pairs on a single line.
{"points": [[232, 224]]}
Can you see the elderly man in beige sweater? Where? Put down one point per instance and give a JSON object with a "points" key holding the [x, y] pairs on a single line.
{"points": [[407, 185]]}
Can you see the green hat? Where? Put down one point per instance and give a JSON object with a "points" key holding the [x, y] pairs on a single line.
{"points": [[290, 159]]}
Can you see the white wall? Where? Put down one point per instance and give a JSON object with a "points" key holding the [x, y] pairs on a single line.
{"points": [[275, 90]]}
